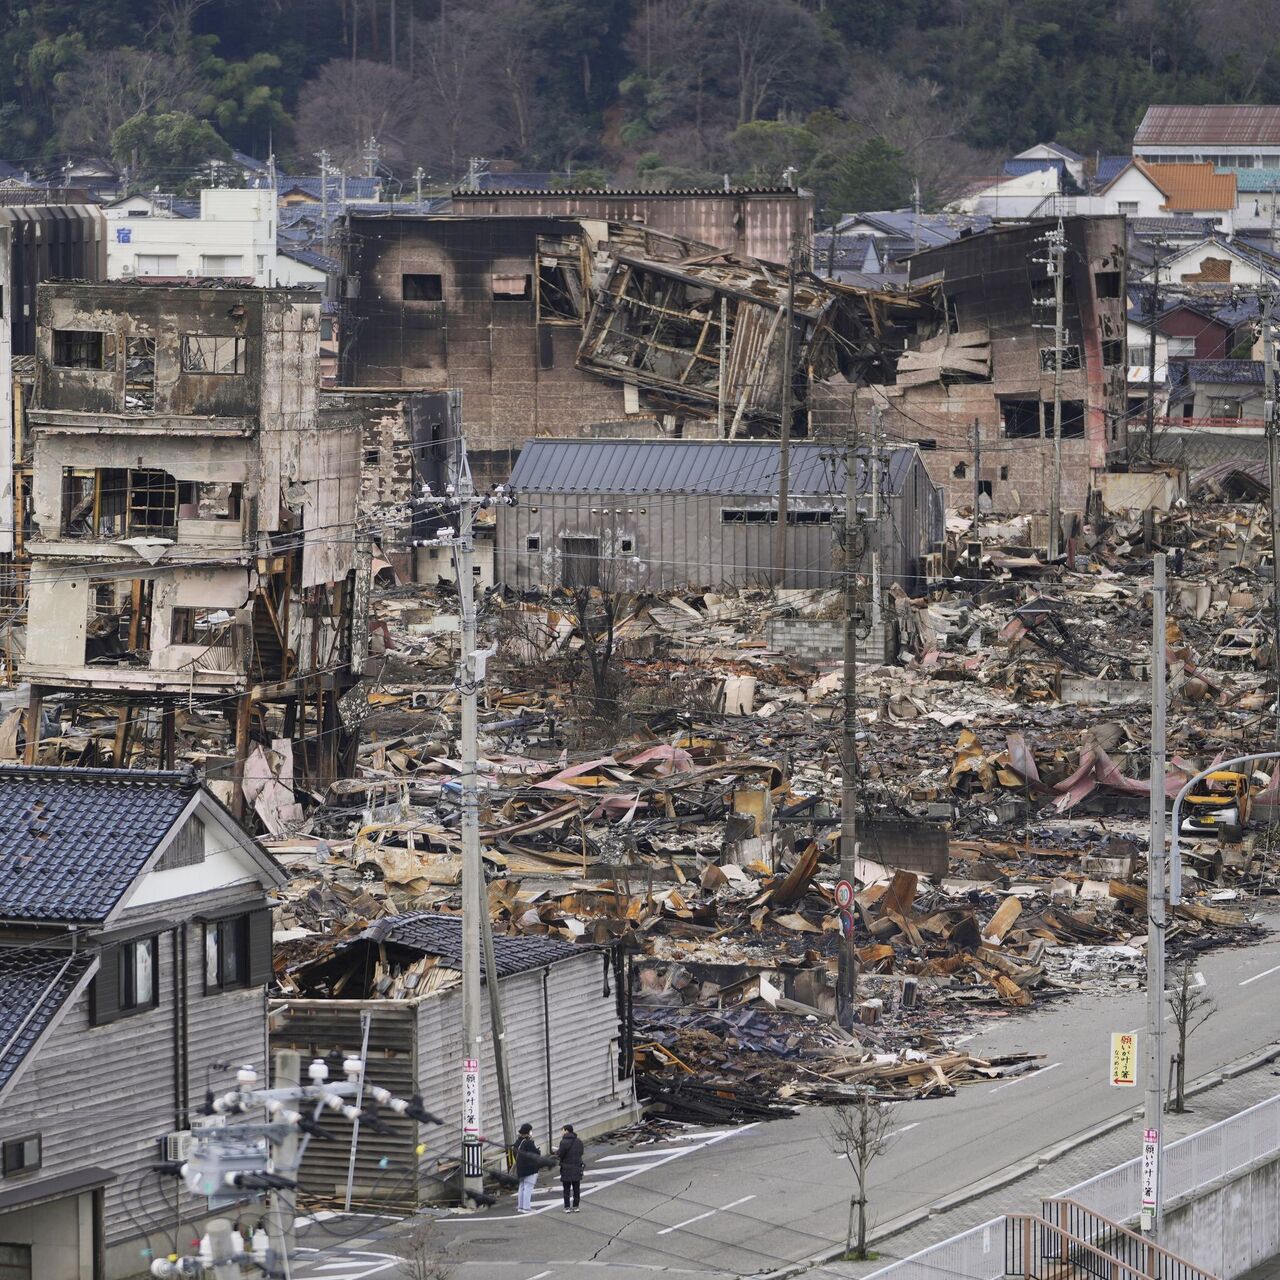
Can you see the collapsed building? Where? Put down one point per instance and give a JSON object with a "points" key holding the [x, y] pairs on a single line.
{"points": [[192, 523], [987, 358]]}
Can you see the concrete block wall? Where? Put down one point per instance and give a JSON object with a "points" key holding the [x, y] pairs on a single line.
{"points": [[822, 639]]}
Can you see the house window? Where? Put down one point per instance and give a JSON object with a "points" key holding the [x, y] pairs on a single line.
{"points": [[373, 457], [15, 1262], [186, 849], [740, 515], [533, 542], [221, 264], [1070, 358], [626, 545], [204, 354], [1004, 473], [127, 981], [153, 502], [1224, 407], [155, 264], [422, 288], [1182, 348], [1127, 206], [808, 517], [237, 951], [1140, 356], [21, 1155], [1021, 418], [512, 288], [78, 349], [1107, 284], [960, 471]]}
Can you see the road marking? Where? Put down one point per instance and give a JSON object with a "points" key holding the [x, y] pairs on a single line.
{"points": [[540, 1275], [1264, 974], [660, 1157], [690, 1221], [893, 1133], [1031, 1075]]}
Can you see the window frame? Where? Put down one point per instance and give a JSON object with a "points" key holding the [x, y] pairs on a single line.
{"points": [[256, 954], [111, 983], [239, 358], [13, 1147], [128, 999], [67, 338]]}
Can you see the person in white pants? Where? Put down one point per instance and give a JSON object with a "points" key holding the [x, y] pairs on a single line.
{"points": [[527, 1163]]}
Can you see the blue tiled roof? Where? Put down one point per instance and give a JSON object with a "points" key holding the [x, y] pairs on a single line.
{"points": [[1109, 167], [72, 841], [309, 258], [1253, 180], [35, 982], [434, 933], [1237, 371], [851, 253], [357, 188], [1016, 167]]}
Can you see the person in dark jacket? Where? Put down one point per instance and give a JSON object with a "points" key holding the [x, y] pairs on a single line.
{"points": [[528, 1162], [569, 1153]]}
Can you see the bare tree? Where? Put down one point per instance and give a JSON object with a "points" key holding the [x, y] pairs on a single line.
{"points": [[454, 57], [1191, 1008], [346, 103], [860, 1134], [596, 612], [422, 1251]]}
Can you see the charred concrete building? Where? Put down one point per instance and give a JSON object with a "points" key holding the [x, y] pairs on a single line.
{"points": [[748, 222], [558, 326], [193, 517], [986, 357]]}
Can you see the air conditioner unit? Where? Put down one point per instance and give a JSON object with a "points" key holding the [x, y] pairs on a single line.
{"points": [[177, 1145]]}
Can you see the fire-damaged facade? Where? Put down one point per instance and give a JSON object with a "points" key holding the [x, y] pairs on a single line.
{"points": [[987, 357], [193, 516], [565, 327]]}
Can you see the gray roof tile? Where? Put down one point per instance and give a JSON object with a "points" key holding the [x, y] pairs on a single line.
{"points": [[35, 982], [436, 934], [72, 841]]}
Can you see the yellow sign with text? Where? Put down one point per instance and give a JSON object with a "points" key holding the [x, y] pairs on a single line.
{"points": [[1124, 1059]]}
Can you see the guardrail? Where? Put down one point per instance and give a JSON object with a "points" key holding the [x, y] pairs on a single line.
{"points": [[1189, 1164], [1037, 1249]]}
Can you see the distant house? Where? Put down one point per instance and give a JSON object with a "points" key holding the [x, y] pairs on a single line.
{"points": [[1258, 201], [1221, 395], [1217, 261], [1006, 197], [655, 514], [1054, 153], [335, 189], [901, 232], [847, 258], [1232, 136], [135, 952], [1142, 190]]}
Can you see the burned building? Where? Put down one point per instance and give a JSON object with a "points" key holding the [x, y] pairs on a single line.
{"points": [[657, 515], [193, 517], [748, 222], [564, 327], [987, 357]]}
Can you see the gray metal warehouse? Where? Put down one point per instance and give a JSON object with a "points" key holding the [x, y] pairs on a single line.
{"points": [[650, 515]]}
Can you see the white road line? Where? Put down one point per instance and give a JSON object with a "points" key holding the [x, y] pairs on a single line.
{"points": [[1031, 1075], [634, 1155], [893, 1133], [690, 1221], [540, 1275], [1264, 974]]}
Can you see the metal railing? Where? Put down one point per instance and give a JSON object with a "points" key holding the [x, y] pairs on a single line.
{"points": [[1189, 1164], [976, 1254], [1037, 1249]]}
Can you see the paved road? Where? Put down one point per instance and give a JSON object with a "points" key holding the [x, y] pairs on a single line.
{"points": [[737, 1202]]}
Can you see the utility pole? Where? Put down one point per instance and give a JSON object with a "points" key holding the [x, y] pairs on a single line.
{"points": [[418, 174], [1154, 316], [282, 1211], [371, 153], [1153, 1147], [977, 496], [847, 978], [874, 480], [1273, 469], [1057, 244], [724, 356], [784, 453], [323, 157]]}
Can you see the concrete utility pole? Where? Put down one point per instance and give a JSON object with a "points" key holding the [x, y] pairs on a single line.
{"points": [[1156, 912], [1273, 479], [1057, 245], [473, 893], [874, 481], [977, 495], [418, 174], [371, 153], [323, 157], [1154, 315], [784, 453], [847, 978], [282, 1212]]}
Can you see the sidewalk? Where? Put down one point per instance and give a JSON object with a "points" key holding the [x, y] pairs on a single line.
{"points": [[1022, 1188]]}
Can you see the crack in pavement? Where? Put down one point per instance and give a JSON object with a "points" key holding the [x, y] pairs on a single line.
{"points": [[675, 1195]]}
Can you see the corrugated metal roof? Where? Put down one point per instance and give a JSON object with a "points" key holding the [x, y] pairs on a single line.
{"points": [[739, 468], [1234, 126], [1256, 179], [1188, 187], [647, 192], [436, 934]]}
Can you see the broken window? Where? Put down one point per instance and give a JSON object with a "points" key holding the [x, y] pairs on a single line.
{"points": [[421, 288], [1106, 284], [1113, 352], [153, 503], [809, 517], [985, 489], [94, 502], [742, 515], [1021, 418], [1070, 358], [1004, 473], [512, 288], [1225, 407], [79, 349], [561, 296], [925, 445], [202, 353], [960, 470], [581, 562], [197, 624], [140, 375], [212, 500]]}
